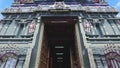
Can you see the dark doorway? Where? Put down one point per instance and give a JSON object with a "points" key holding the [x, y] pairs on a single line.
{"points": [[60, 38]]}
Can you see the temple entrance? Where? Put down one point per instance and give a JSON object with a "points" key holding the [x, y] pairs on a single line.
{"points": [[60, 39], [59, 49]]}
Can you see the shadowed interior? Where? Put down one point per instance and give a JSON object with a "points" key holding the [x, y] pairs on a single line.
{"points": [[59, 38]]}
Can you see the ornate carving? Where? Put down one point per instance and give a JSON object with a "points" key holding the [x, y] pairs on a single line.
{"points": [[59, 5]]}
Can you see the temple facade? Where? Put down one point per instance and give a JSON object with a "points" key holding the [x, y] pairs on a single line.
{"points": [[60, 34]]}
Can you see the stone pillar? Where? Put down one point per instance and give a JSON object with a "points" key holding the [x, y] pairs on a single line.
{"points": [[27, 60], [79, 46], [39, 46], [91, 58]]}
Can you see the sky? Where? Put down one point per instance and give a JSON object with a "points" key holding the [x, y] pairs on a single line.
{"points": [[6, 3]]}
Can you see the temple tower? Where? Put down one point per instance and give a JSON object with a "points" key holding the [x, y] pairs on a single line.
{"points": [[60, 34]]}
